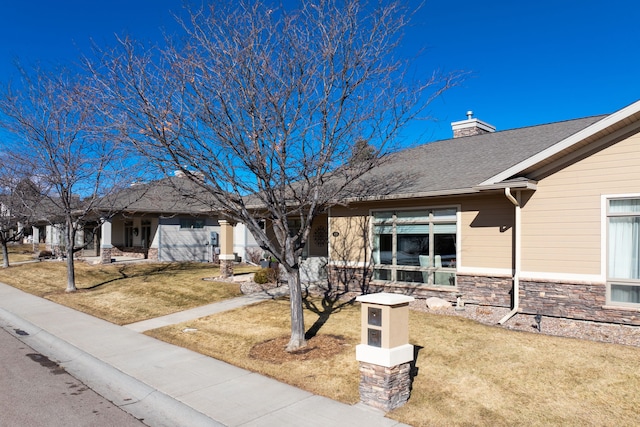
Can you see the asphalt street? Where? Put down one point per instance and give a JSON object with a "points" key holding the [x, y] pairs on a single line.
{"points": [[35, 391]]}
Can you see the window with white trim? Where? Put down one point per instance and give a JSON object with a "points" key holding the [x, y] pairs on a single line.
{"points": [[415, 246], [623, 251], [191, 223]]}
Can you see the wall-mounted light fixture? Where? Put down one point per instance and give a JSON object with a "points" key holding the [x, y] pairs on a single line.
{"points": [[538, 319]]}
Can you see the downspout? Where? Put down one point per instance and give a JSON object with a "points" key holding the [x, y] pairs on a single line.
{"points": [[516, 255]]}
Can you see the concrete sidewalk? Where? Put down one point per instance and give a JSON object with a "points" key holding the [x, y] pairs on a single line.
{"points": [[205, 310], [162, 384]]}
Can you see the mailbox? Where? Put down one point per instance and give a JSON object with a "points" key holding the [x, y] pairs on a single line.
{"points": [[213, 238], [385, 329]]}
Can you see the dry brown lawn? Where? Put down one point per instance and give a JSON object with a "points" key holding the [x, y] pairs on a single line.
{"points": [[19, 253], [124, 293], [468, 374]]}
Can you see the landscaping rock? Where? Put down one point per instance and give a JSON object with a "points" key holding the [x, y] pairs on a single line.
{"points": [[435, 303]]}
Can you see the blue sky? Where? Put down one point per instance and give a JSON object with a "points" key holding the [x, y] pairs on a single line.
{"points": [[529, 62]]}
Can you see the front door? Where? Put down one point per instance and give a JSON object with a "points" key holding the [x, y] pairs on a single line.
{"points": [[146, 236]]}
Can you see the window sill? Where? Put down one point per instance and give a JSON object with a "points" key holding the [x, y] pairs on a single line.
{"points": [[412, 285], [621, 307]]}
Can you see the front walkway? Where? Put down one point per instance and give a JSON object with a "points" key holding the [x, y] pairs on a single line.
{"points": [[206, 310]]}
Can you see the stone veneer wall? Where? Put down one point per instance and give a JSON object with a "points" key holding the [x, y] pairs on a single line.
{"points": [[490, 290], [105, 255], [226, 268], [580, 301], [133, 252], [468, 131], [385, 388], [583, 301]]}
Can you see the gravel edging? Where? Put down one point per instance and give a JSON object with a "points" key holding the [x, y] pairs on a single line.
{"points": [[488, 315], [569, 328]]}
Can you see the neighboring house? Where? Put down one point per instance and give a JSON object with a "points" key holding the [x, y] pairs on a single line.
{"points": [[172, 219], [542, 219]]}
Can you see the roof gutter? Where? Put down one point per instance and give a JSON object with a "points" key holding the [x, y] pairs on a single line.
{"points": [[516, 254]]}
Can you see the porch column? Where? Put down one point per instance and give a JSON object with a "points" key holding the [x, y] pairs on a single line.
{"points": [[226, 248], [105, 244], [35, 238]]}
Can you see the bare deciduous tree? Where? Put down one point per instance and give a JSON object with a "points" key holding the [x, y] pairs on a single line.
{"points": [[18, 198], [271, 103], [59, 136]]}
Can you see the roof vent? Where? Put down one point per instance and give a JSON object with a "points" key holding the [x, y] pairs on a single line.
{"points": [[471, 127]]}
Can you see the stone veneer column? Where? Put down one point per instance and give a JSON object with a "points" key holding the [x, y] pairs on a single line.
{"points": [[385, 388], [385, 354], [226, 248], [105, 246]]}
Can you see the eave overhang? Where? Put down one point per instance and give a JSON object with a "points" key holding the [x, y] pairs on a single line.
{"points": [[608, 130]]}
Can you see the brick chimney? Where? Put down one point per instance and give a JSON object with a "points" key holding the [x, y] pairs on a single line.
{"points": [[471, 127]]}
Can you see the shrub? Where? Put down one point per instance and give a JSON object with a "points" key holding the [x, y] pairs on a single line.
{"points": [[253, 255], [266, 275], [45, 254]]}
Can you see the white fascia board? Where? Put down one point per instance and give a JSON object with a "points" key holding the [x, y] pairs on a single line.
{"points": [[567, 142], [562, 277], [514, 185], [464, 124]]}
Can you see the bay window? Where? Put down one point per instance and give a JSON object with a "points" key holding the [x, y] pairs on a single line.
{"points": [[415, 246]]}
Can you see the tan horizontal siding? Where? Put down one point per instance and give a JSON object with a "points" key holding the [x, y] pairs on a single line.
{"points": [[562, 220], [487, 225]]}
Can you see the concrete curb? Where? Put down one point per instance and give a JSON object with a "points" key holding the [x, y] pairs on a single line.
{"points": [[130, 394]]}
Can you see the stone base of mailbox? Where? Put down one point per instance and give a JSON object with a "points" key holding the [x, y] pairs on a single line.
{"points": [[383, 387]]}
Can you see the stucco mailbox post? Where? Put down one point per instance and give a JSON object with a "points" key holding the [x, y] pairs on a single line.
{"points": [[385, 354]]}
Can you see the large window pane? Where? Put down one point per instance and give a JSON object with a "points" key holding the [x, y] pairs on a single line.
{"points": [[624, 247], [417, 216], [410, 247], [625, 293], [379, 274], [442, 278], [624, 251], [440, 214], [445, 250], [418, 246], [412, 276], [384, 249], [382, 216], [624, 206]]}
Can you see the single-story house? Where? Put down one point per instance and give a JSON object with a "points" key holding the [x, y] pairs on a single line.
{"points": [[172, 219], [542, 219]]}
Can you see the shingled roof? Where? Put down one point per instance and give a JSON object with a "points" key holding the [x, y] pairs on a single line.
{"points": [[460, 165], [173, 195]]}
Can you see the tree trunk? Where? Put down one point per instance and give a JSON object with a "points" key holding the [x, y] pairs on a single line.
{"points": [[297, 340], [71, 272], [5, 254]]}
